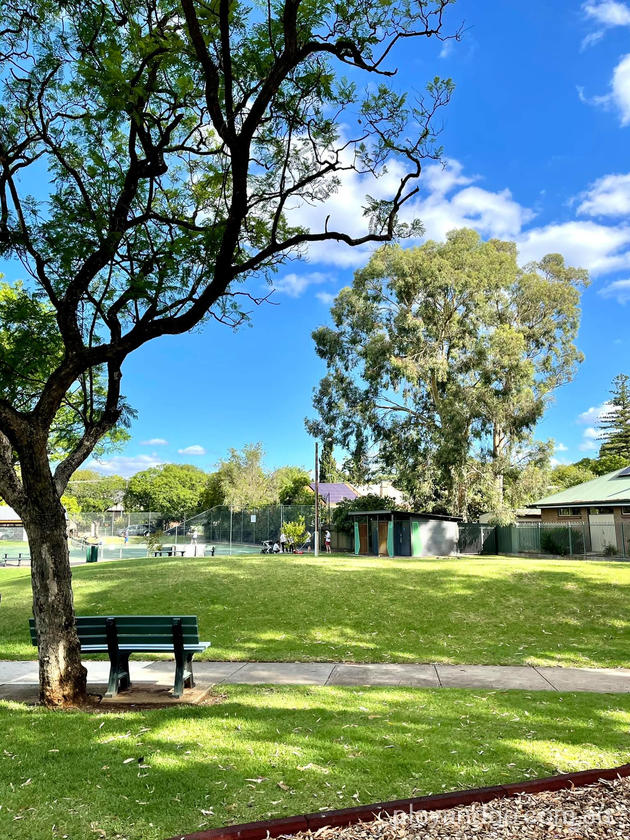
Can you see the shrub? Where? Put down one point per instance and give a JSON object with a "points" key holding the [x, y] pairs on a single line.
{"points": [[610, 550], [561, 540]]}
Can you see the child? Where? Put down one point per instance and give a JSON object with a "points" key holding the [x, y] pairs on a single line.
{"points": [[327, 541]]}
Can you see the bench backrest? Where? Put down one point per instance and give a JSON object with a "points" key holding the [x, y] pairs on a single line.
{"points": [[131, 629]]}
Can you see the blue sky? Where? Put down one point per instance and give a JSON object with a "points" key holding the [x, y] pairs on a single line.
{"points": [[537, 141]]}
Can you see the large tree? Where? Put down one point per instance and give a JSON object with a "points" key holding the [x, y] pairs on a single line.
{"points": [[243, 480], [443, 352], [152, 156], [615, 424], [174, 490], [96, 493]]}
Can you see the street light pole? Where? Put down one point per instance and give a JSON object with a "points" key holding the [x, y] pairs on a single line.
{"points": [[316, 499]]}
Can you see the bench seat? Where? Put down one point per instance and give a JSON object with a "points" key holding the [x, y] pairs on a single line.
{"points": [[121, 635]]}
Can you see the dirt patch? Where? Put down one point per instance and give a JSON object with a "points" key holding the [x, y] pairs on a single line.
{"points": [[141, 696]]}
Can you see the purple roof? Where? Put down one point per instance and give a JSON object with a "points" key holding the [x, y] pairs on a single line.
{"points": [[335, 491]]}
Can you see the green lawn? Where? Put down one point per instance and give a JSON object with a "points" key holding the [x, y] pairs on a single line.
{"points": [[266, 752], [472, 610]]}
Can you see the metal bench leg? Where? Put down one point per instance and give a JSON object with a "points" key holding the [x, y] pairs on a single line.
{"points": [[112, 685], [123, 671], [189, 679], [178, 686], [180, 657]]}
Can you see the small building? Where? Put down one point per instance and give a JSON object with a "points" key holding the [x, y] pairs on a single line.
{"points": [[11, 527], [599, 509], [401, 533]]}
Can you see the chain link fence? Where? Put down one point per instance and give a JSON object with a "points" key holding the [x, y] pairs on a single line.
{"points": [[222, 524]]}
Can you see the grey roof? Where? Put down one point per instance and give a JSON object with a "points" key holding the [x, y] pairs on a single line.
{"points": [[406, 514], [605, 490]]}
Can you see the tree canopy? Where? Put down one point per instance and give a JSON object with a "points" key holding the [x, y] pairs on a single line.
{"points": [[171, 489], [96, 493], [443, 353]]}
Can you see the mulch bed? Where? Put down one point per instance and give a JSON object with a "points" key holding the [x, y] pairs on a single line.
{"points": [[597, 812]]}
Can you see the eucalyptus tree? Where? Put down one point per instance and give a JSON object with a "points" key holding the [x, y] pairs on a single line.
{"points": [[443, 357], [153, 159]]}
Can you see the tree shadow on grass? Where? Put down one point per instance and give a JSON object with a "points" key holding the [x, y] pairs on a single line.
{"points": [[271, 752]]}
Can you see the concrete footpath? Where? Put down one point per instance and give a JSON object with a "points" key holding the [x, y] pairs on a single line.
{"points": [[16, 675]]}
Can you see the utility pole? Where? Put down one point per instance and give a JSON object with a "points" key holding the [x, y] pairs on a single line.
{"points": [[316, 500]]}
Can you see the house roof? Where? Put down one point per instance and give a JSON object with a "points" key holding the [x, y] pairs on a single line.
{"points": [[605, 491], [405, 514], [8, 515], [335, 491]]}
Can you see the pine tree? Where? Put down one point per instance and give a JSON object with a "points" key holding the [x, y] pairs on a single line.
{"points": [[615, 424]]}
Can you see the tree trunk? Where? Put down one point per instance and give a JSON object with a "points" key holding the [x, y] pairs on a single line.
{"points": [[62, 678], [498, 442]]}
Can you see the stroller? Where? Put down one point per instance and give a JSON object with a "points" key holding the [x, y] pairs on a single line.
{"points": [[267, 547]]}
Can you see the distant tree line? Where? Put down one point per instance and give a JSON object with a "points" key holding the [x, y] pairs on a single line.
{"points": [[240, 479]]}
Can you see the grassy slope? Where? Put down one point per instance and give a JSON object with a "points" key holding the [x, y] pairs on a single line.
{"points": [[270, 752], [470, 610]]}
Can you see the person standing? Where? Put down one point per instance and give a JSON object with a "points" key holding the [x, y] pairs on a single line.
{"points": [[283, 542], [327, 541]]}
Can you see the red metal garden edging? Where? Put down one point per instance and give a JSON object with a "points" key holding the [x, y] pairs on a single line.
{"points": [[436, 802]]}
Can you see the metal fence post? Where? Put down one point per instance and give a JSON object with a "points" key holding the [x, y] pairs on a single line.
{"points": [[584, 538]]}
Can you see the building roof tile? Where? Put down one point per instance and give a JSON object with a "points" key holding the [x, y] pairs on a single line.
{"points": [[612, 488]]}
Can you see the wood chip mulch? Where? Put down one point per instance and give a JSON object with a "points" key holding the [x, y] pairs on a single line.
{"points": [[596, 812]]}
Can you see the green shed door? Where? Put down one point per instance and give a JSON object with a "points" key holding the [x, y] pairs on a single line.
{"points": [[416, 539], [356, 538], [390, 539]]}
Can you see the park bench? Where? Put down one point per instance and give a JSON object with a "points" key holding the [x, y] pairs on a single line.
{"points": [[121, 635], [169, 551], [6, 559]]}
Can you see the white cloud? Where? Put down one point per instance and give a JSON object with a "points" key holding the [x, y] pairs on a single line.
{"points": [[560, 447], [442, 177], [195, 449], [294, 285], [447, 48], [608, 13], [448, 198], [589, 440], [599, 248], [618, 289], [124, 465], [325, 297], [608, 196], [154, 442], [593, 415], [619, 95]]}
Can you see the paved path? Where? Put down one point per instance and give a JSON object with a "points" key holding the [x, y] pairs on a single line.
{"points": [[15, 674]]}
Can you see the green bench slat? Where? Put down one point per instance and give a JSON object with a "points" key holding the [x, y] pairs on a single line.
{"points": [[130, 630]]}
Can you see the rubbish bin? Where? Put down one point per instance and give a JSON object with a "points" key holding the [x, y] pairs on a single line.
{"points": [[91, 554]]}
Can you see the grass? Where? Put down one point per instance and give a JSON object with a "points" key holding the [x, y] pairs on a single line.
{"points": [[489, 610], [265, 752]]}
